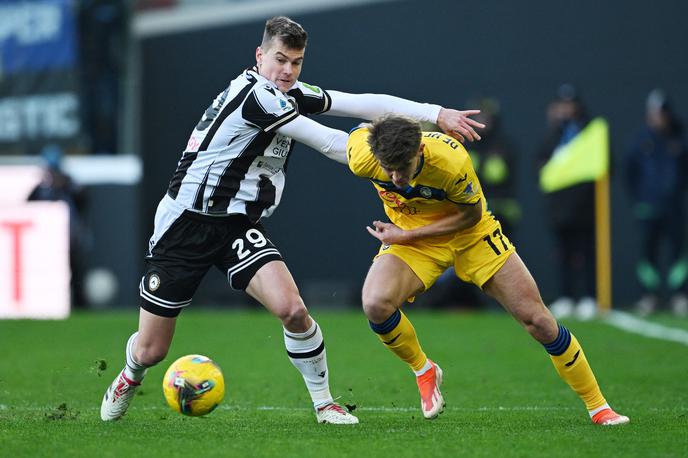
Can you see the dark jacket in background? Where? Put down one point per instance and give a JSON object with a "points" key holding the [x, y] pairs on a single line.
{"points": [[656, 174], [573, 206]]}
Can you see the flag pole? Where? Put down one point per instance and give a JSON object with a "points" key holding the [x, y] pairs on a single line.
{"points": [[603, 244]]}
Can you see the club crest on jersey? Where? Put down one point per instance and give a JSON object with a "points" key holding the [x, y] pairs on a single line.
{"points": [[425, 192], [153, 282]]}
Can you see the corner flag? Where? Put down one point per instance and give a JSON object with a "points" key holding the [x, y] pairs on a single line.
{"points": [[584, 158]]}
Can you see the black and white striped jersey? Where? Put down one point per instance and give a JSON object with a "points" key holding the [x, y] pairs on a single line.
{"points": [[235, 160]]}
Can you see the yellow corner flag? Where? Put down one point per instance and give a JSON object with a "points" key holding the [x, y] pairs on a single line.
{"points": [[584, 158]]}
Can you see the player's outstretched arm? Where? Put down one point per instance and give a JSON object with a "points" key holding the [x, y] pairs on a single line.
{"points": [[455, 123], [465, 216], [329, 142]]}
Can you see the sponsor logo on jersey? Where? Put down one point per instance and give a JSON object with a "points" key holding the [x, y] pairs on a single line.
{"points": [[269, 167], [469, 191], [389, 196], [405, 209], [425, 192], [391, 199], [280, 146], [193, 144]]}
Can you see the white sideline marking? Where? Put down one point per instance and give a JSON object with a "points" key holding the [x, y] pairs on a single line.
{"points": [[308, 409], [364, 408], [415, 409], [636, 325]]}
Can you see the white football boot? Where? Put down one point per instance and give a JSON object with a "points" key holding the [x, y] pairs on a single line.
{"points": [[334, 413], [117, 398]]}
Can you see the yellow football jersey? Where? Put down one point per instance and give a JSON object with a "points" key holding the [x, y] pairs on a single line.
{"points": [[445, 178]]}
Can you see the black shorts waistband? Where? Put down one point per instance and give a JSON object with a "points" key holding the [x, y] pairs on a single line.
{"points": [[215, 219]]}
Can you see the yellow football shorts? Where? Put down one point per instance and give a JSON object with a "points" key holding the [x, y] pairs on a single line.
{"points": [[476, 254]]}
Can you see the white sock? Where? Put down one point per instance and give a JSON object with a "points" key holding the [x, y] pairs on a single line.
{"points": [[133, 369], [599, 409], [306, 351], [424, 369]]}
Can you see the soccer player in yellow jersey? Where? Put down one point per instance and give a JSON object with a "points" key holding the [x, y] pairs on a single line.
{"points": [[439, 219]]}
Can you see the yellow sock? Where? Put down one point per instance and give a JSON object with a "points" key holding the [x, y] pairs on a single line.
{"points": [[569, 360], [397, 334]]}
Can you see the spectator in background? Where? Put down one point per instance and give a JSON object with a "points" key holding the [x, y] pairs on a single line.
{"points": [[56, 185], [656, 172], [570, 211]]}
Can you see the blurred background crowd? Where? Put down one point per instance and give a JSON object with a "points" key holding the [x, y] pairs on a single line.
{"points": [[101, 95]]}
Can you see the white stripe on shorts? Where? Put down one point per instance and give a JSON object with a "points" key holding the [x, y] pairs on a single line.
{"points": [[161, 302], [248, 261]]}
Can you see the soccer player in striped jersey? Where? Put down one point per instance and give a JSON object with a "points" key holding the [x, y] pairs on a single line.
{"points": [[439, 219], [230, 176]]}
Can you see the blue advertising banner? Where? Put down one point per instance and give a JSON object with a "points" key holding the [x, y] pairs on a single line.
{"points": [[39, 101], [37, 36]]}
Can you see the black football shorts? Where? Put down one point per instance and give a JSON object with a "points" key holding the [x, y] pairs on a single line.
{"points": [[186, 244]]}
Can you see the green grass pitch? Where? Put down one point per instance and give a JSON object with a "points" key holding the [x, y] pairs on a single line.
{"points": [[503, 395]]}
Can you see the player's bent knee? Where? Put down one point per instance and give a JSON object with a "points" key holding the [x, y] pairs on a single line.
{"points": [[542, 326], [292, 312], [376, 308]]}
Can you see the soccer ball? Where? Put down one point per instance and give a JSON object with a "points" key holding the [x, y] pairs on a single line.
{"points": [[193, 385]]}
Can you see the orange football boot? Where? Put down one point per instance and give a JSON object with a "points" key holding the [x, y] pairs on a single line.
{"points": [[607, 417], [431, 400]]}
